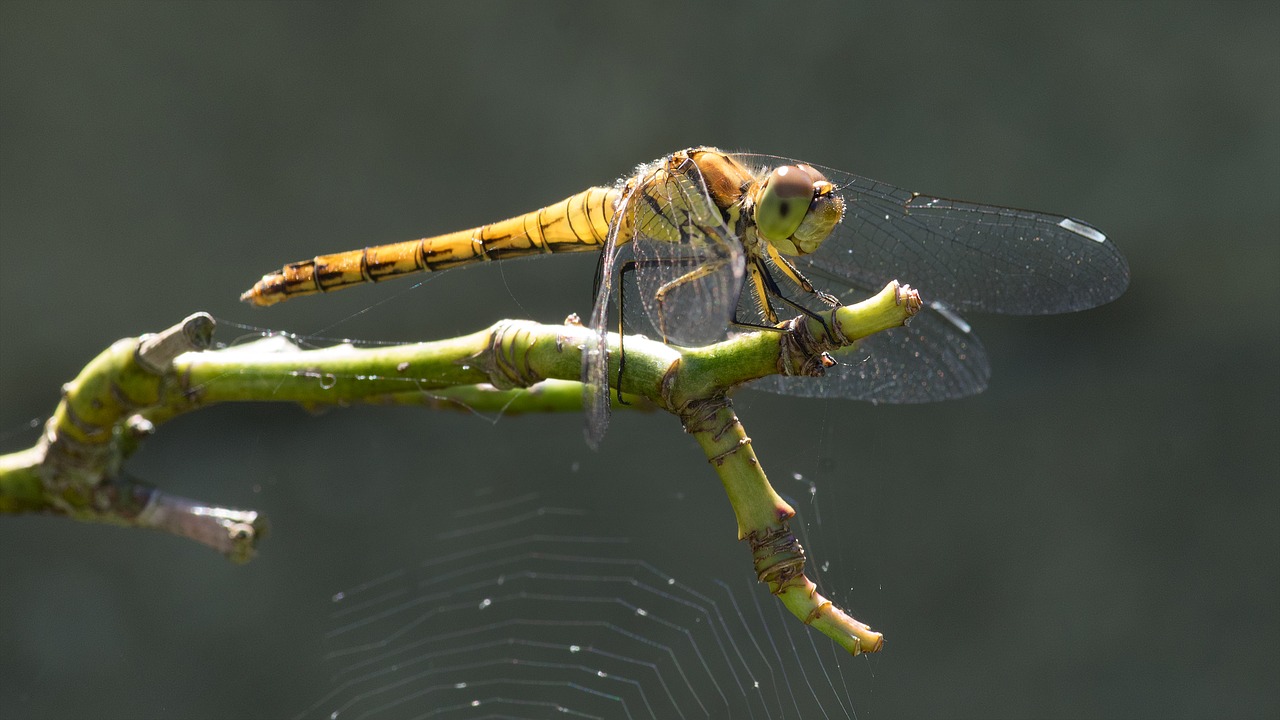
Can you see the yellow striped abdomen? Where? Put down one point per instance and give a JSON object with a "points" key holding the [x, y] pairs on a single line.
{"points": [[577, 224]]}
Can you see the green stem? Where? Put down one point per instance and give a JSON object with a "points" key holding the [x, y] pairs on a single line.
{"points": [[762, 515], [139, 383]]}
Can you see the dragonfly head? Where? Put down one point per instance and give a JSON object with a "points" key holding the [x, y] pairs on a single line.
{"points": [[797, 209]]}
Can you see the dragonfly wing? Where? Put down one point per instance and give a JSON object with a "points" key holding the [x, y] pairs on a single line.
{"points": [[689, 265], [973, 257], [933, 358], [595, 353]]}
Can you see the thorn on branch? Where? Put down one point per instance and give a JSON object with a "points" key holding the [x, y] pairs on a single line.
{"points": [[157, 351]]}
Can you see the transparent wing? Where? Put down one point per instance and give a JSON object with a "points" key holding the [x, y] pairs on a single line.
{"points": [[689, 266], [595, 354], [972, 257], [688, 269], [933, 358], [936, 357]]}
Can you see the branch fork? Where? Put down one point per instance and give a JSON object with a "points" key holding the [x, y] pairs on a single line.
{"points": [[137, 384]]}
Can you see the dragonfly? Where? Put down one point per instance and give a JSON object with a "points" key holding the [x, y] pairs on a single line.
{"points": [[720, 241]]}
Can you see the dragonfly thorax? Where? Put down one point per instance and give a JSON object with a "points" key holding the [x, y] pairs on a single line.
{"points": [[796, 208]]}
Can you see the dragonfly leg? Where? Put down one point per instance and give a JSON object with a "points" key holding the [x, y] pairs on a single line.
{"points": [[767, 287], [794, 275], [628, 266], [735, 322], [756, 273], [702, 270], [771, 289], [598, 279], [764, 287]]}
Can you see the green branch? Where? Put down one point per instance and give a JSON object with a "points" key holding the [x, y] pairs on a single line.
{"points": [[139, 383]]}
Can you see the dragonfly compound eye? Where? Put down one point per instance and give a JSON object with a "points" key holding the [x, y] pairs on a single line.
{"points": [[814, 175], [783, 202], [825, 212]]}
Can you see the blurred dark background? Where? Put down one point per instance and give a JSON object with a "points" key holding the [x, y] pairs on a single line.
{"points": [[1096, 536]]}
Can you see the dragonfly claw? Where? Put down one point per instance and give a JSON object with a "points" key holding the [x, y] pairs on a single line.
{"points": [[829, 299]]}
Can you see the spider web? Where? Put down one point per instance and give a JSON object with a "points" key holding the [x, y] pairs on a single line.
{"points": [[518, 613]]}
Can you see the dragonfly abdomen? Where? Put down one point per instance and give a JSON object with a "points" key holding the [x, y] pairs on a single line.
{"points": [[579, 223]]}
